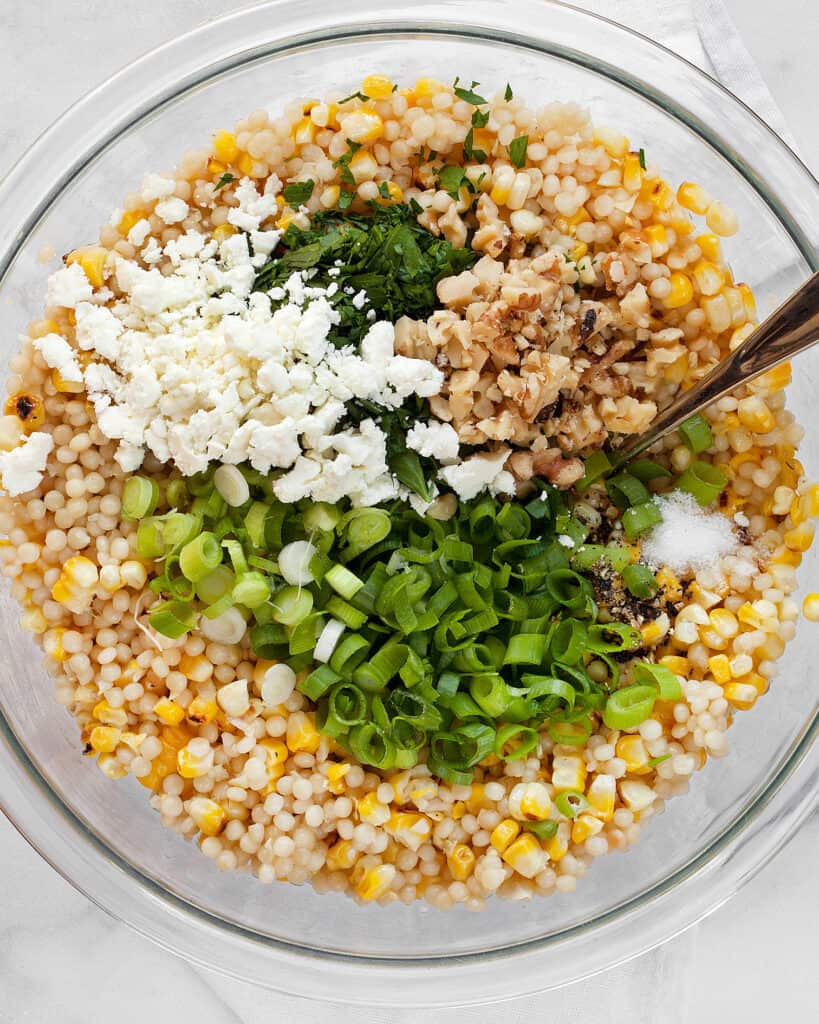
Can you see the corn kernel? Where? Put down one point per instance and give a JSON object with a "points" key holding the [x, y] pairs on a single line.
{"points": [[720, 668], [168, 711], [721, 219], [558, 846], [129, 219], [377, 87], [104, 739], [657, 237], [193, 764], [724, 622], [584, 826], [247, 165], [342, 855], [633, 751], [409, 828], [363, 166], [601, 796], [196, 667], [579, 251], [682, 291], [224, 147], [335, 777], [111, 767], [708, 277], [637, 796], [526, 856], [302, 733], [201, 711], [632, 172], [741, 695], [161, 767], [718, 312], [800, 537], [461, 862], [568, 772], [208, 815], [502, 180], [329, 197], [66, 386], [458, 810], [710, 246], [215, 167], [371, 810], [92, 260], [53, 644], [394, 194], [133, 740], [426, 87], [304, 132], [653, 632], [503, 834], [375, 882], [615, 143], [362, 126], [678, 664], [693, 197], [223, 231], [103, 712]]}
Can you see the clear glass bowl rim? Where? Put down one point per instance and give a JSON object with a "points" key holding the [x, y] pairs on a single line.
{"points": [[750, 840]]}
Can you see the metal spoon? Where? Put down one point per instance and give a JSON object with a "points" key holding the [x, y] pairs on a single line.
{"points": [[788, 331]]}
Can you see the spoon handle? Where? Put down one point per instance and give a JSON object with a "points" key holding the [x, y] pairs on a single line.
{"points": [[792, 328]]}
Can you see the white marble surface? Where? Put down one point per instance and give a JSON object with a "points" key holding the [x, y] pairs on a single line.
{"points": [[62, 960]]}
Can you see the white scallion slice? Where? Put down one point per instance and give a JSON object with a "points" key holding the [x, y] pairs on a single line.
{"points": [[330, 636], [227, 628], [277, 685], [294, 562], [233, 487]]}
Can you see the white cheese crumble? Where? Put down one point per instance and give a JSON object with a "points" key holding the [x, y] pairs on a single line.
{"points": [[478, 473], [434, 440], [59, 355], [22, 468], [68, 286]]}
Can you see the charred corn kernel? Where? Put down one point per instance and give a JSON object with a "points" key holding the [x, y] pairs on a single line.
{"points": [[168, 711], [741, 695], [720, 668], [670, 585], [129, 219], [65, 386], [133, 740], [196, 667], [104, 739], [111, 767], [676, 663], [717, 312], [194, 761], [27, 412], [426, 87], [800, 537], [103, 712], [247, 165], [223, 231], [653, 632], [458, 810], [304, 132], [632, 172], [601, 795], [224, 146], [302, 733], [208, 815], [584, 826], [362, 126], [724, 623], [558, 846], [375, 882], [53, 644], [710, 246], [342, 855], [377, 87], [614, 143], [657, 237], [682, 291], [661, 194], [502, 181], [693, 197], [409, 829], [363, 166], [708, 277], [568, 772], [201, 711], [371, 810], [329, 197], [633, 751], [461, 862], [503, 834], [530, 801], [216, 167], [637, 796], [92, 260], [335, 777], [721, 219], [394, 194], [526, 856]]}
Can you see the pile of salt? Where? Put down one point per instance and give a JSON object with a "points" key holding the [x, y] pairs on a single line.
{"points": [[688, 538]]}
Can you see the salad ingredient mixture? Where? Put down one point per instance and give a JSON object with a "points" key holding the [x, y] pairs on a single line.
{"points": [[307, 497]]}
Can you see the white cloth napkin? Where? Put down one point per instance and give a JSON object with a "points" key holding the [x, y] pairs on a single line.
{"points": [[702, 32]]}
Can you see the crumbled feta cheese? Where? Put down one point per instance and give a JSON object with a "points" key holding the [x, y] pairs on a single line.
{"points": [[479, 473], [139, 232], [434, 440], [565, 540], [154, 186], [68, 286], [360, 300], [172, 210], [22, 468], [59, 355], [253, 209]]}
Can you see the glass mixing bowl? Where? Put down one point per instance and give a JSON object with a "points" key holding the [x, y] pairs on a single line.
{"points": [[103, 837]]}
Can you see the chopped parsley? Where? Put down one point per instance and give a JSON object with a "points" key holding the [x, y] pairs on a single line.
{"points": [[407, 466], [343, 162], [226, 179], [469, 95], [451, 178], [508, 94], [345, 199], [480, 118], [299, 192], [384, 189], [470, 153], [642, 155], [354, 96], [517, 150]]}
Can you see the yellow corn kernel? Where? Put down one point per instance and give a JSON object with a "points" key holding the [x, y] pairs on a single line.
{"points": [[377, 87], [749, 615], [720, 668], [104, 739], [371, 810], [363, 166], [395, 194], [24, 412], [161, 767], [670, 585], [111, 767], [601, 796], [810, 607], [748, 301], [175, 736], [192, 765], [223, 231], [168, 711], [201, 711], [247, 165], [558, 846], [92, 260], [224, 146], [710, 246], [632, 172], [103, 712], [678, 665], [129, 218], [693, 197], [196, 667], [633, 751], [503, 834], [342, 855], [614, 143], [526, 856], [579, 251], [426, 87], [409, 828], [682, 291], [809, 501], [133, 740], [304, 132], [375, 882], [65, 386], [584, 826], [461, 862], [659, 193], [708, 277], [530, 801], [800, 537], [724, 622], [718, 312], [741, 695], [208, 815], [425, 789], [476, 801], [329, 197], [637, 796], [335, 777], [216, 167], [568, 772], [502, 181], [362, 126], [682, 226], [653, 632], [458, 810], [53, 644], [302, 733], [276, 755], [657, 237], [721, 219]]}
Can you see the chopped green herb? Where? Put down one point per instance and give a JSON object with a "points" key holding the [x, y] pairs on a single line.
{"points": [[452, 178], [470, 96], [480, 118], [384, 189], [298, 192], [343, 162], [657, 760], [354, 96], [226, 179], [517, 150], [642, 156], [508, 94], [345, 200], [469, 152]]}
